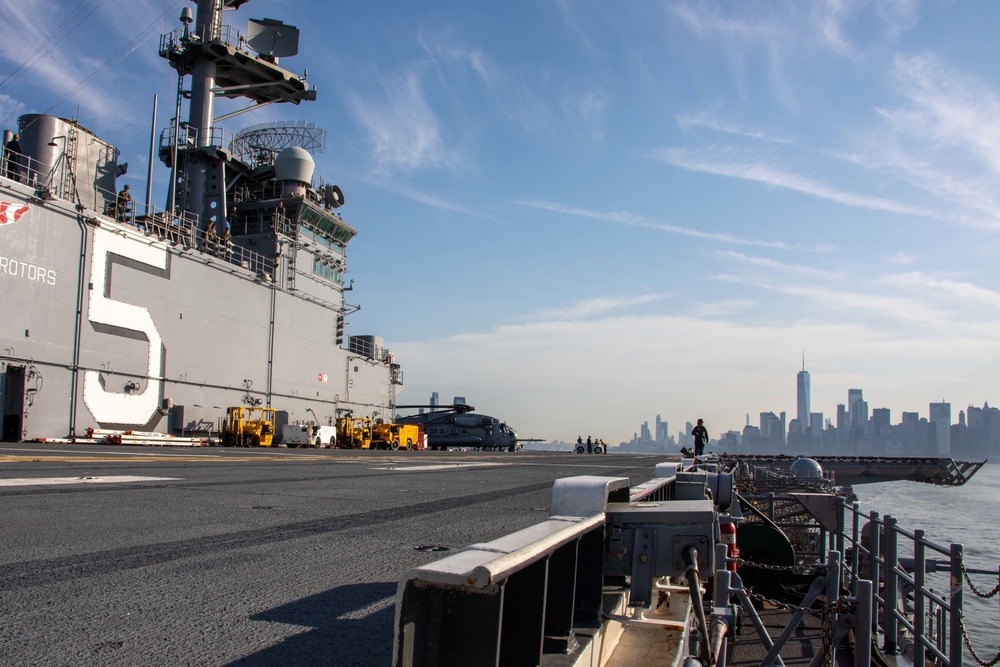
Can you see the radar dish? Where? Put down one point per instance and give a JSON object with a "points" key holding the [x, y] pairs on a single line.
{"points": [[259, 144], [272, 38]]}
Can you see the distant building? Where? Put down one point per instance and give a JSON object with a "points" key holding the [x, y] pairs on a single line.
{"points": [[857, 409], [940, 419], [729, 442], [684, 437], [772, 432], [881, 418], [816, 424], [751, 442], [662, 433], [802, 396], [843, 426], [983, 438], [797, 441]]}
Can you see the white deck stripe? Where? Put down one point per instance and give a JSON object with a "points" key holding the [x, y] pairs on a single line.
{"points": [[405, 468], [111, 479], [88, 453]]}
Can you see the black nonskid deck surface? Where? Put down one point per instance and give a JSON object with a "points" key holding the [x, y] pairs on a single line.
{"points": [[748, 649], [249, 557]]}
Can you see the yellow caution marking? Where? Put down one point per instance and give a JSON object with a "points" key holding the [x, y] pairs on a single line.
{"points": [[126, 458]]}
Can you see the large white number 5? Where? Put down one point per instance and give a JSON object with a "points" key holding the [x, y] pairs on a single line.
{"points": [[117, 407]]}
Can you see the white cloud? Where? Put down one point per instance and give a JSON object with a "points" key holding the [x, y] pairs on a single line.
{"points": [[775, 265], [851, 304], [436, 202], [954, 291], [710, 121], [944, 137], [592, 307], [636, 220], [725, 162], [588, 109], [10, 109], [900, 257], [404, 131], [830, 16]]}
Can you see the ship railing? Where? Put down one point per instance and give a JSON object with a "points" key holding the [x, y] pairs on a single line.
{"points": [[188, 137], [222, 247], [912, 617], [181, 230], [660, 486], [50, 180], [173, 41], [263, 221], [511, 600]]}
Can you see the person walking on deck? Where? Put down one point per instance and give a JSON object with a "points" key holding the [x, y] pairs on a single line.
{"points": [[700, 434]]}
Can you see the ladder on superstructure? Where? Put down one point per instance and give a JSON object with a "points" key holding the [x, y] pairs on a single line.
{"points": [[180, 186], [293, 251]]}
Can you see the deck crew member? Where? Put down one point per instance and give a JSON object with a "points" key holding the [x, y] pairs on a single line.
{"points": [[700, 434], [12, 158], [122, 204]]}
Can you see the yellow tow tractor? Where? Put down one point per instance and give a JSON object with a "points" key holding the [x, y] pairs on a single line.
{"points": [[249, 427], [363, 433], [397, 436], [354, 432]]}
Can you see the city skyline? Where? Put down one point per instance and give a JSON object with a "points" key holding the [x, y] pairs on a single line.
{"points": [[854, 412]]}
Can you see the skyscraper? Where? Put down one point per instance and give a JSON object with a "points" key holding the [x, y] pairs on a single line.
{"points": [[940, 417], [662, 432], [857, 409], [802, 393]]}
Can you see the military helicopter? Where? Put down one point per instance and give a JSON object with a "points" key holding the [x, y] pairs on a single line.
{"points": [[458, 426]]}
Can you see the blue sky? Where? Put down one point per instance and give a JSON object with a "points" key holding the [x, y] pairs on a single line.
{"points": [[579, 217]]}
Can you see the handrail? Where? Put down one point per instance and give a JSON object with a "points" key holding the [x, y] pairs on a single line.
{"points": [[53, 183], [896, 575]]}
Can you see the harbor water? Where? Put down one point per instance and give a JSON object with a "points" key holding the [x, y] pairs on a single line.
{"points": [[968, 515]]}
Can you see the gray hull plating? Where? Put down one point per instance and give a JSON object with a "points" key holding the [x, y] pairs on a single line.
{"points": [[105, 326]]}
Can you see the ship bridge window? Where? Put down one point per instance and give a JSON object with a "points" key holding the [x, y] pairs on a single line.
{"points": [[328, 272], [330, 225], [310, 235]]}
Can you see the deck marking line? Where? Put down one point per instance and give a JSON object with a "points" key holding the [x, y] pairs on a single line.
{"points": [[448, 466], [110, 479]]}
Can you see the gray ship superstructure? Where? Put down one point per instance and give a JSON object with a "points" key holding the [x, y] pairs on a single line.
{"points": [[124, 317]]}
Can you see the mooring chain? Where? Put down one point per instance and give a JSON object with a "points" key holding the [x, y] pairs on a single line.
{"points": [[826, 647], [775, 568], [786, 606], [972, 586], [968, 645]]}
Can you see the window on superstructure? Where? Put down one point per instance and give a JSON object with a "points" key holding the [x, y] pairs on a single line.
{"points": [[308, 234], [328, 272]]}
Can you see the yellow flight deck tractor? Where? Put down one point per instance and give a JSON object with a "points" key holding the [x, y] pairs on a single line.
{"points": [[396, 436], [363, 433], [249, 427]]}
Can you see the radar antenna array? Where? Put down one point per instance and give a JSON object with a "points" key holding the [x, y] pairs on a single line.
{"points": [[257, 145]]}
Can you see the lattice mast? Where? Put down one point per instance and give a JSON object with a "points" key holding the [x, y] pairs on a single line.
{"points": [[220, 61]]}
